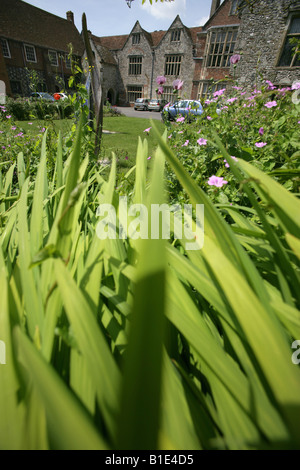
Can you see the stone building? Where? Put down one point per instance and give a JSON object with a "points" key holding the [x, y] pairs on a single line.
{"points": [[200, 56], [142, 56], [214, 46], [264, 42], [33, 39], [195, 55]]}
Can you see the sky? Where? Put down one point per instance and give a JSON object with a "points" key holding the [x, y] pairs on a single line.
{"points": [[113, 17]]}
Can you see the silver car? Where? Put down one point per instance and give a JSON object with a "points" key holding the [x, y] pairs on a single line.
{"points": [[156, 105], [141, 103]]}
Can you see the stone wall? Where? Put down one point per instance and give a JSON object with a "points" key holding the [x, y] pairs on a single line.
{"points": [[142, 49], [185, 48], [260, 41]]}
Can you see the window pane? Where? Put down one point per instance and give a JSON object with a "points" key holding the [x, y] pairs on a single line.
{"points": [[30, 53], [295, 26], [5, 48], [133, 93], [219, 50]]}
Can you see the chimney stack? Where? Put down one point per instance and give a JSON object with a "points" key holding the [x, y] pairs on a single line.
{"points": [[70, 16], [214, 6]]}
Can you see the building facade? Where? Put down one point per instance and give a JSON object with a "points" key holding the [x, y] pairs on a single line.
{"points": [[264, 42], [33, 39], [35, 46], [195, 55]]}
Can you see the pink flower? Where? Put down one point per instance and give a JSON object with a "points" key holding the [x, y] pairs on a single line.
{"points": [[186, 143], [296, 86], [217, 181], [202, 141], [271, 104], [160, 90], [177, 84], [260, 144], [209, 118], [180, 119], [237, 88], [30, 123], [261, 131], [149, 158], [270, 85], [219, 92], [235, 59], [161, 80], [126, 158], [148, 130], [231, 100], [13, 128], [8, 117], [227, 164]]}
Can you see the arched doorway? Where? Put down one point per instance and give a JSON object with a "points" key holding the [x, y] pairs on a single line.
{"points": [[110, 96]]}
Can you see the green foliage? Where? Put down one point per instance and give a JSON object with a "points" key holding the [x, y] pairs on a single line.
{"points": [[241, 121], [22, 109], [140, 344]]}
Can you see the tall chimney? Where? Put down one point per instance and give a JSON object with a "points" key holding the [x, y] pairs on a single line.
{"points": [[214, 6], [70, 16]]}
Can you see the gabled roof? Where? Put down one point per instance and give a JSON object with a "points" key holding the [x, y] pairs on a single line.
{"points": [[112, 42], [27, 23], [105, 54], [154, 38]]}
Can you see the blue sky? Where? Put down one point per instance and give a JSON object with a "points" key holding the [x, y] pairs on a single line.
{"points": [[113, 17]]}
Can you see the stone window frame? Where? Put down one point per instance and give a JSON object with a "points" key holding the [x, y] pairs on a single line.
{"points": [[33, 51], [203, 88], [5, 45], [136, 38], [173, 65], [54, 55], [291, 17], [210, 54], [175, 34], [133, 92], [135, 65]]}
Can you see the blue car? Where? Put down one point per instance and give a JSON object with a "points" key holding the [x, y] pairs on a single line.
{"points": [[182, 108]]}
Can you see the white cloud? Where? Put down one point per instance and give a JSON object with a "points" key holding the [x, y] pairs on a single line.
{"points": [[165, 10]]}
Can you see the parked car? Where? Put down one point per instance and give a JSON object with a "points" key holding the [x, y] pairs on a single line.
{"points": [[156, 105], [185, 108], [40, 95], [141, 103]]}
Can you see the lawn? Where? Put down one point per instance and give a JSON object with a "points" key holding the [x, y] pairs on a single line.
{"points": [[122, 141]]}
